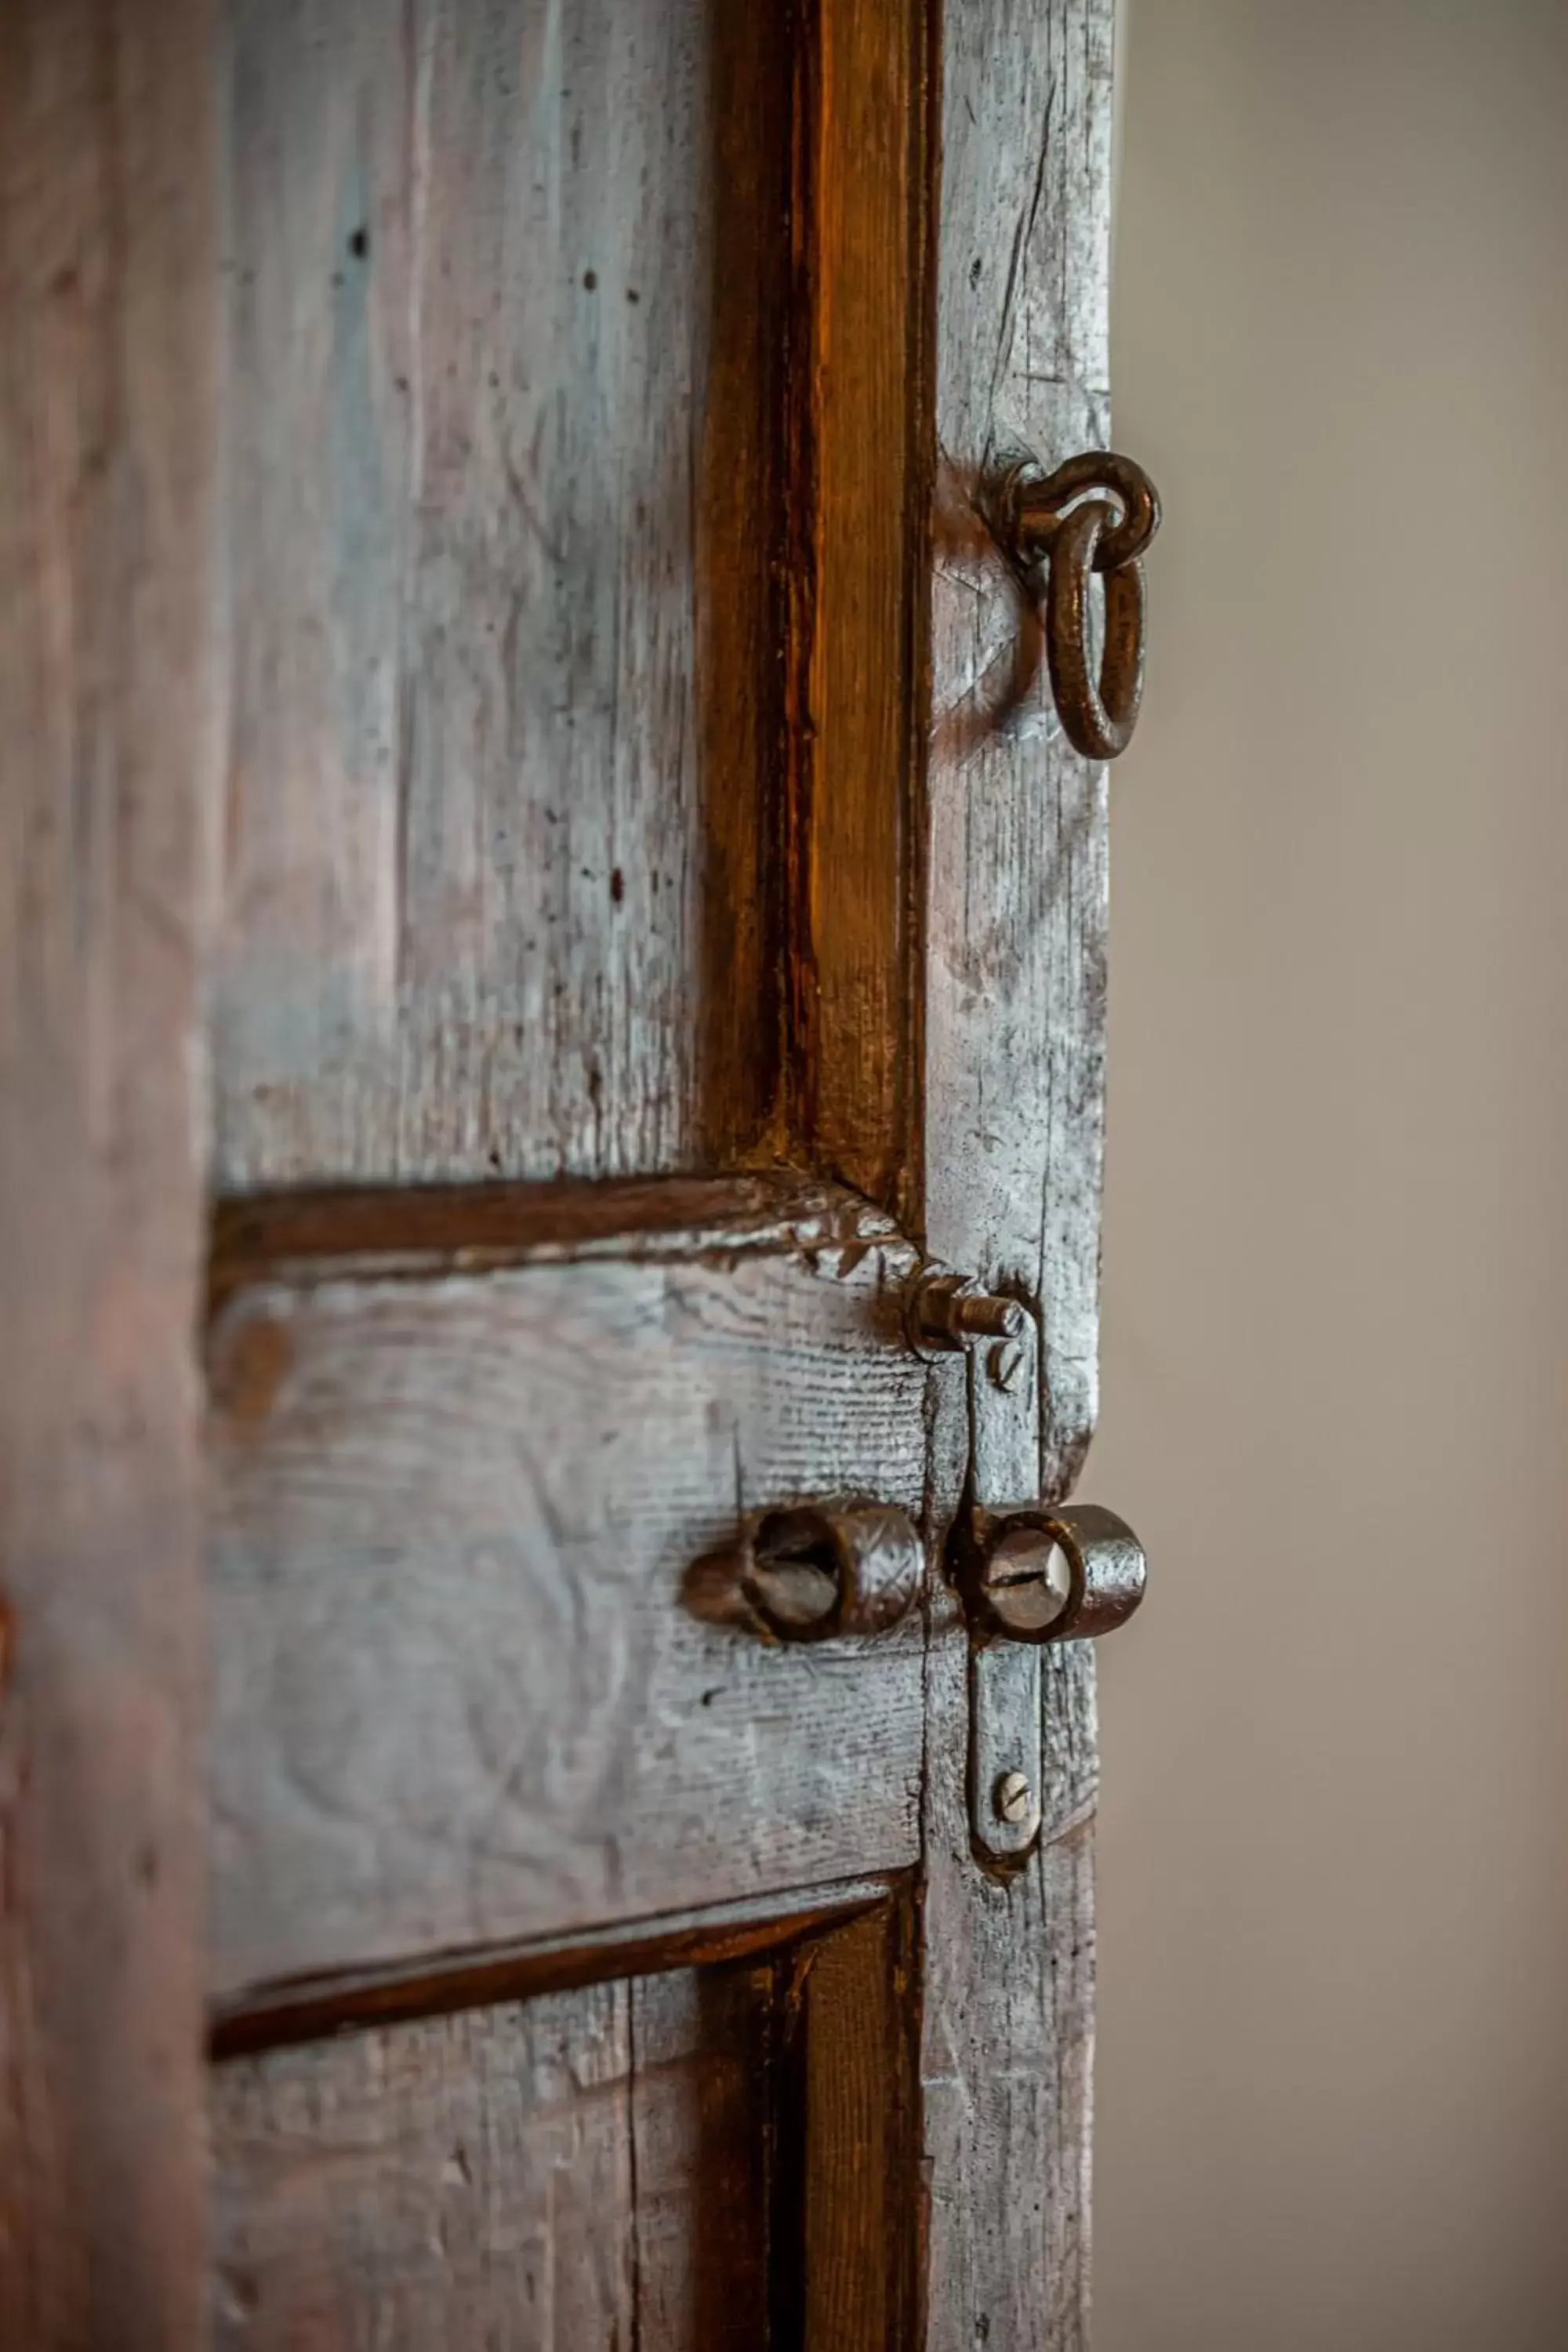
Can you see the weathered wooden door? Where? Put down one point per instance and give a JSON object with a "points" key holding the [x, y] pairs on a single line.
{"points": [[527, 796]]}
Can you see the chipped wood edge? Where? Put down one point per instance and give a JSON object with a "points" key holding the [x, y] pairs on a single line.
{"points": [[305, 1239], [273, 2015]]}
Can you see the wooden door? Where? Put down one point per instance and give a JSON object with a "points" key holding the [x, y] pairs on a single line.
{"points": [[542, 890]]}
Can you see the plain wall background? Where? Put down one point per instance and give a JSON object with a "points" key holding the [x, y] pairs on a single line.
{"points": [[1333, 2057]]}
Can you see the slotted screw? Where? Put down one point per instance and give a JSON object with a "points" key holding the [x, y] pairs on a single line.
{"points": [[1011, 1797]]}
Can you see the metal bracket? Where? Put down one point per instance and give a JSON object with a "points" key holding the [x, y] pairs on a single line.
{"points": [[1028, 1574], [1005, 1752], [1007, 1759]]}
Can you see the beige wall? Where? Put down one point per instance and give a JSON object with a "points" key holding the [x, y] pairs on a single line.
{"points": [[1333, 2081]]}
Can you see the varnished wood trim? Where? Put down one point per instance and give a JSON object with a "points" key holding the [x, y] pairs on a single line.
{"points": [[743, 587], [270, 2016], [847, 2225], [858, 442]]}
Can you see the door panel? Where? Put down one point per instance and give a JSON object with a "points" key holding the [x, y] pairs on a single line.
{"points": [[456, 1696], [582, 2170], [503, 287], [704, 2157]]}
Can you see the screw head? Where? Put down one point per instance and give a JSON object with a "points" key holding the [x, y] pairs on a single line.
{"points": [[1011, 1797]]}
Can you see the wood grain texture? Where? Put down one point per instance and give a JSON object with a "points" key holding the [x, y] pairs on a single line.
{"points": [[109, 744], [457, 1698], [504, 368], [704, 2048], [853, 2255], [588, 2169], [858, 494], [1014, 1030]]}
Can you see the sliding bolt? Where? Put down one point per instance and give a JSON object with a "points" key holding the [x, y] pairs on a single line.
{"points": [[951, 1311]]}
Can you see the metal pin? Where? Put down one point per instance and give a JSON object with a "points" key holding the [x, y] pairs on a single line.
{"points": [[979, 1314], [950, 1310]]}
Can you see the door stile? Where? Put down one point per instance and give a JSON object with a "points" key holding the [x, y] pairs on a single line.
{"points": [[111, 677], [1013, 1125]]}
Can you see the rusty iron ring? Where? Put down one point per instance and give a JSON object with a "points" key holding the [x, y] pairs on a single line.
{"points": [[1039, 521], [1099, 718], [1034, 502]]}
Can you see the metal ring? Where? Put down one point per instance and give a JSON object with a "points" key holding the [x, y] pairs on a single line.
{"points": [[1043, 1573], [1055, 519], [1037, 500], [1099, 718]]}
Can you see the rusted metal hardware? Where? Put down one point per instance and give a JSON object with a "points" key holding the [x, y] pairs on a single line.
{"points": [[1026, 1578], [1007, 1751], [1096, 513], [1040, 1575], [946, 1310], [811, 1571]]}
